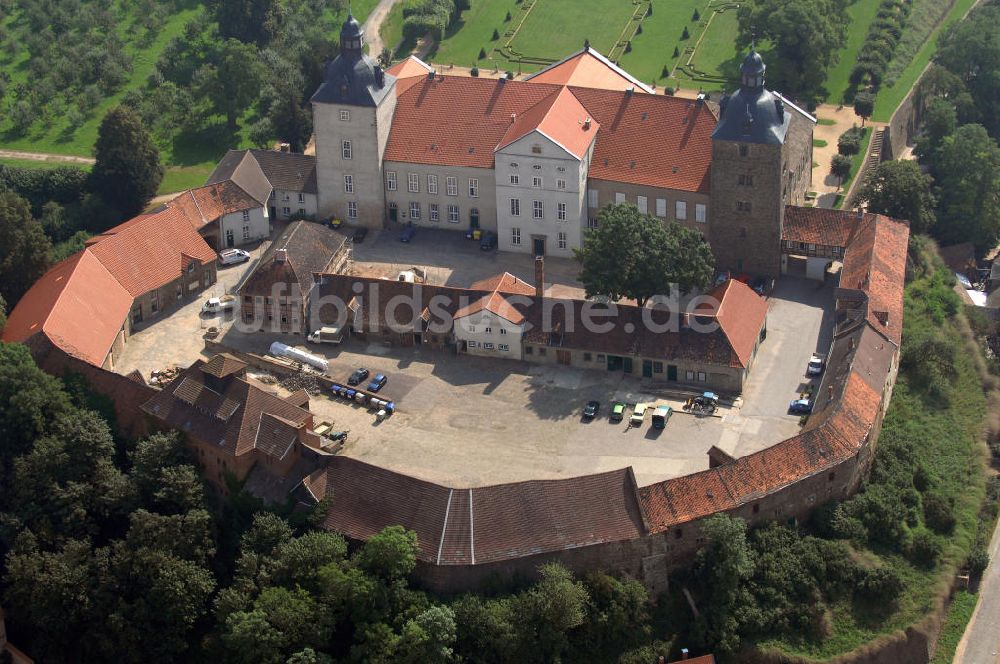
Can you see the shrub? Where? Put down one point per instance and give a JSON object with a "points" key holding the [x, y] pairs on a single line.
{"points": [[507, 17], [849, 143], [881, 585], [668, 91], [474, 72], [695, 17], [978, 560], [840, 166], [496, 34], [677, 54], [628, 46], [925, 549], [685, 34], [664, 73], [638, 29], [939, 513], [482, 54], [510, 75]]}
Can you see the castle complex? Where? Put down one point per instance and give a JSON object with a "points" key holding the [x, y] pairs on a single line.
{"points": [[535, 160]]}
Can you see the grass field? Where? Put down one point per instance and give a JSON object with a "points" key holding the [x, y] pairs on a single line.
{"points": [[856, 161], [959, 614], [861, 14], [39, 165], [543, 33]]}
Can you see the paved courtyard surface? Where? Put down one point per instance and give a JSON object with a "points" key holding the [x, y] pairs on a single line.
{"points": [[466, 421], [450, 260]]}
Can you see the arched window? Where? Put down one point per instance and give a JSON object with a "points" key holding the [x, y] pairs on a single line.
{"points": [[474, 217]]}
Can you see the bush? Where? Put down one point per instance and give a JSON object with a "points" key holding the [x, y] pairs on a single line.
{"points": [[482, 53], [978, 560], [507, 17], [840, 166], [628, 46], [496, 34], [939, 513], [677, 54], [510, 75], [695, 17], [880, 585], [849, 143], [474, 72], [925, 549], [685, 34]]}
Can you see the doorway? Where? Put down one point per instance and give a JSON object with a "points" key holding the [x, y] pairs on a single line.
{"points": [[538, 245], [647, 368], [627, 364], [393, 213], [230, 239], [563, 357], [671, 372], [474, 218]]}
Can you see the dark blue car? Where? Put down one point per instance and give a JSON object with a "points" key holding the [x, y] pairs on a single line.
{"points": [[800, 407], [377, 383], [408, 232]]}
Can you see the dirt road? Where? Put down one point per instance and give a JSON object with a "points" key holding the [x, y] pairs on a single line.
{"points": [[373, 26], [45, 156]]}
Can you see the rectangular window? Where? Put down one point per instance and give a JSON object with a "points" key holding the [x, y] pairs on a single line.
{"points": [[536, 182], [661, 207], [560, 184], [591, 222], [390, 180], [681, 210], [414, 210], [515, 207], [504, 348], [503, 331], [346, 150], [246, 232], [453, 215], [640, 202], [743, 206], [451, 186], [302, 198], [657, 367], [746, 180], [562, 240], [349, 184], [302, 210], [488, 346], [702, 377], [474, 187], [286, 211], [432, 184], [413, 183], [700, 213], [515, 237], [435, 214], [744, 150], [246, 216], [345, 115], [537, 210], [619, 197], [471, 344], [528, 350], [489, 330], [561, 211], [536, 149], [352, 209], [592, 198], [515, 179], [587, 357]]}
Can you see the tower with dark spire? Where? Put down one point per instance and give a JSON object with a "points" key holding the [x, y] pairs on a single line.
{"points": [[761, 161], [352, 115]]}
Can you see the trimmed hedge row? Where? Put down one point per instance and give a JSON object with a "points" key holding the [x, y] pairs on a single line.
{"points": [[421, 17], [880, 43]]}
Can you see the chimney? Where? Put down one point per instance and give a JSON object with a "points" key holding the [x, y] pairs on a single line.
{"points": [[281, 256], [513, 117], [539, 276], [586, 124]]}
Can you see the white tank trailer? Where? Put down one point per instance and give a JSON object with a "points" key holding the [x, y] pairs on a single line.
{"points": [[279, 349]]}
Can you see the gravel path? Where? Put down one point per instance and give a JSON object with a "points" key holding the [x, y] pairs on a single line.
{"points": [[45, 156], [373, 26]]}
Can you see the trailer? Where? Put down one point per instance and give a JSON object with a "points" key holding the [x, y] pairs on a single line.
{"points": [[279, 349]]}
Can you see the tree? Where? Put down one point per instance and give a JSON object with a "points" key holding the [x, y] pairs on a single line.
{"points": [[864, 106], [127, 171], [249, 21], [552, 607], [496, 34], [685, 34], [968, 186], [636, 255], [969, 49], [390, 555], [235, 79], [849, 143], [898, 189], [429, 637], [940, 121], [25, 250], [800, 58], [3, 314], [840, 167], [723, 567]]}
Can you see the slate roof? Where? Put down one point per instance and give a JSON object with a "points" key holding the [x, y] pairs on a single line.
{"points": [[78, 304], [288, 171], [242, 169], [821, 226], [589, 69], [458, 526], [309, 247], [229, 417]]}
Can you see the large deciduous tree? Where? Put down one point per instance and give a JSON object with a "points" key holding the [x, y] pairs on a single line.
{"points": [[968, 179], [127, 171], [723, 567], [250, 21], [25, 250], [801, 56], [637, 256], [898, 189], [970, 49], [235, 79]]}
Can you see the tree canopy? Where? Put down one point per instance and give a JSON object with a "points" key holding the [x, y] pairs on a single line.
{"points": [[251, 21], [25, 250], [637, 256], [967, 173], [127, 171], [970, 50], [900, 190]]}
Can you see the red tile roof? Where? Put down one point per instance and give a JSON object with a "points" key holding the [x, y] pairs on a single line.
{"points": [[650, 140], [559, 117], [589, 69], [505, 283], [151, 250], [494, 303], [741, 314], [819, 226], [77, 304], [875, 263], [206, 204], [409, 67]]}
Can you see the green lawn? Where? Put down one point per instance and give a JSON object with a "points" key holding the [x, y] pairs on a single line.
{"points": [[472, 31], [40, 165], [861, 14], [959, 614], [544, 35], [856, 161], [890, 96], [179, 178]]}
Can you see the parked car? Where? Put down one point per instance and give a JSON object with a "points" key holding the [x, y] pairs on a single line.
{"points": [[358, 376], [762, 285], [637, 415], [233, 256], [721, 278], [617, 411], [661, 415], [214, 306], [591, 409], [326, 335], [489, 242], [408, 232], [816, 365], [377, 383], [359, 234], [800, 407]]}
